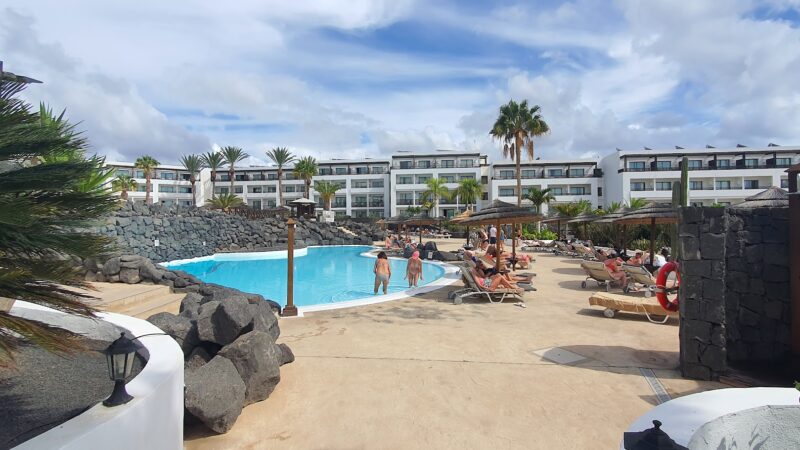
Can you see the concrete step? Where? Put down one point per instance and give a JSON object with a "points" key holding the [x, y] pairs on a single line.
{"points": [[137, 300]]}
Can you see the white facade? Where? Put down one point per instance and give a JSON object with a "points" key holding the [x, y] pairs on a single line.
{"points": [[723, 176], [169, 184], [410, 172], [568, 180]]}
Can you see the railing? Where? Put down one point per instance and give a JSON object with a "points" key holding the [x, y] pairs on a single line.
{"points": [[376, 204], [405, 201], [543, 175], [433, 165], [677, 168], [376, 186], [359, 204]]}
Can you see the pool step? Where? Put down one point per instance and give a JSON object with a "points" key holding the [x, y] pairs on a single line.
{"points": [[137, 300]]}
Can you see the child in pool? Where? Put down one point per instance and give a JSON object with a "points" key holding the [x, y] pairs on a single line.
{"points": [[414, 270], [383, 272]]}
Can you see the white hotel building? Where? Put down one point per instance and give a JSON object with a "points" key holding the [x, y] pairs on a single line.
{"points": [[387, 187]]}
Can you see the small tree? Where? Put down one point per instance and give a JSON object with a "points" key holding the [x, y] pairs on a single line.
{"points": [[469, 190], [123, 184], [326, 190], [306, 169], [233, 155], [436, 191], [280, 156], [224, 202], [539, 197], [192, 164], [148, 165]]}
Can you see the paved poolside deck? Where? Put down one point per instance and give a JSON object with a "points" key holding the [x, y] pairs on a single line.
{"points": [[424, 373]]}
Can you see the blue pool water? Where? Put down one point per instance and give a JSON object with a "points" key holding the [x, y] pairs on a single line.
{"points": [[324, 275]]}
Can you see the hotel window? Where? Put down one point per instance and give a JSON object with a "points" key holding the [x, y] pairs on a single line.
{"points": [[577, 190], [326, 171], [271, 189], [721, 163], [529, 173], [555, 172], [376, 183], [341, 183], [376, 200], [574, 173], [751, 184], [242, 177], [468, 176], [255, 204], [223, 177], [340, 202], [362, 170], [405, 198], [256, 190], [186, 176], [664, 165], [783, 162], [360, 201], [184, 190], [723, 184], [378, 169], [422, 179], [424, 165], [697, 203], [222, 190], [271, 203], [167, 189], [405, 164], [751, 162], [663, 185], [140, 174], [784, 183], [288, 188], [506, 174], [405, 180], [272, 176], [167, 175], [695, 163], [448, 163], [238, 189], [636, 165], [506, 192], [141, 187], [485, 196], [363, 184], [557, 190], [257, 177], [121, 172], [638, 186], [289, 176], [449, 178], [341, 171], [466, 163], [696, 185]]}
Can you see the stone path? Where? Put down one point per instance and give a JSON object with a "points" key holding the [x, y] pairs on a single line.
{"points": [[424, 373]]}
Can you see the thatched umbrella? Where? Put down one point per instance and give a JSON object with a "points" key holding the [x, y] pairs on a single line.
{"points": [[395, 220], [420, 220], [652, 214], [499, 213], [773, 197], [381, 223], [460, 218], [610, 218], [557, 218], [584, 218]]}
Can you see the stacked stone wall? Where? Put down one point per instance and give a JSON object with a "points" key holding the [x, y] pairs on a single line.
{"points": [[734, 295]]}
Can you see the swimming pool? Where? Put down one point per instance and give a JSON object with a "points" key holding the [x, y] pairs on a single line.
{"points": [[322, 275]]}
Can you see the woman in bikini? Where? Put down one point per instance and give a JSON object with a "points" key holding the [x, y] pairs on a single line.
{"points": [[414, 270], [491, 283], [383, 272]]}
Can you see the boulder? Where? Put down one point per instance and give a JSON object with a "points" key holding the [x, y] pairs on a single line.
{"points": [[130, 276], [183, 330], [445, 256], [223, 322], [214, 394], [150, 272], [197, 358], [190, 305], [264, 319], [111, 267], [287, 356], [258, 361]]}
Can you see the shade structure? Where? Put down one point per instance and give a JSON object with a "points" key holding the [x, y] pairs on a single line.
{"points": [[773, 197], [499, 213], [557, 218], [422, 219], [609, 219], [584, 217], [461, 217], [650, 214]]}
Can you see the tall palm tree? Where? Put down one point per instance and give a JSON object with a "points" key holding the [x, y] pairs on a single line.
{"points": [[148, 165], [192, 164], [213, 161], [326, 190], [233, 155], [469, 191], [539, 197], [516, 127], [436, 190], [280, 156], [123, 184], [306, 168], [45, 218]]}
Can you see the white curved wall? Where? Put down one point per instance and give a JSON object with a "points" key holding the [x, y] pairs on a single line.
{"points": [[153, 420]]}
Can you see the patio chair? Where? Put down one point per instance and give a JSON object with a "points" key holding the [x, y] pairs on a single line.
{"points": [[595, 270], [472, 288], [583, 251], [639, 275], [562, 249], [614, 303]]}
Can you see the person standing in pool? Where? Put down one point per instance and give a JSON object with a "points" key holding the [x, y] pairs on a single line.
{"points": [[383, 272], [414, 270]]}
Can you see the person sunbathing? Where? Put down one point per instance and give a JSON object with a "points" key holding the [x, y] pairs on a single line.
{"points": [[491, 283], [487, 267], [522, 260], [637, 259], [614, 268]]}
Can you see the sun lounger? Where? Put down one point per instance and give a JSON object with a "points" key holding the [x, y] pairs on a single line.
{"points": [[583, 251], [639, 275], [562, 249], [595, 270], [638, 305], [472, 288]]}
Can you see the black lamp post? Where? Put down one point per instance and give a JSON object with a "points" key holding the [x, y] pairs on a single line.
{"points": [[650, 439], [120, 355]]}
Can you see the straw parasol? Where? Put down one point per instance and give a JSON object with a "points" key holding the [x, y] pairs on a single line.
{"points": [[422, 219], [557, 218], [459, 218], [773, 197], [651, 214], [584, 218], [499, 213], [610, 218]]}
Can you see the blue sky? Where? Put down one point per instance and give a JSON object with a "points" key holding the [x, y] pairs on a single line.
{"points": [[367, 78]]}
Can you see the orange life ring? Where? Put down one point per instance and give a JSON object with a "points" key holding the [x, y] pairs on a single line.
{"points": [[661, 286]]}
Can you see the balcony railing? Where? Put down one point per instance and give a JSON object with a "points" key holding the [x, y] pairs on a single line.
{"points": [[433, 165], [359, 204], [542, 174], [376, 204], [405, 201], [677, 168]]}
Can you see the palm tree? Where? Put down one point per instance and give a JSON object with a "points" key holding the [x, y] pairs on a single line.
{"points": [[280, 156], [224, 201], [436, 190], [233, 155], [469, 191], [192, 164], [516, 126], [45, 215], [574, 208], [637, 203], [148, 165], [213, 161], [612, 207], [123, 184], [539, 197], [326, 190], [306, 168]]}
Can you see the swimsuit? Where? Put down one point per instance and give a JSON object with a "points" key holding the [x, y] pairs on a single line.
{"points": [[382, 277]]}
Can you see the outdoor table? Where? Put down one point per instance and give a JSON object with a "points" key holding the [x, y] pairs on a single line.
{"points": [[682, 416]]}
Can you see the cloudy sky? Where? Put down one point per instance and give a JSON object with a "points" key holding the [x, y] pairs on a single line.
{"points": [[367, 78]]}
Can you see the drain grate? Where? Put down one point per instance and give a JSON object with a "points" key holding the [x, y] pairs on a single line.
{"points": [[655, 384]]}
